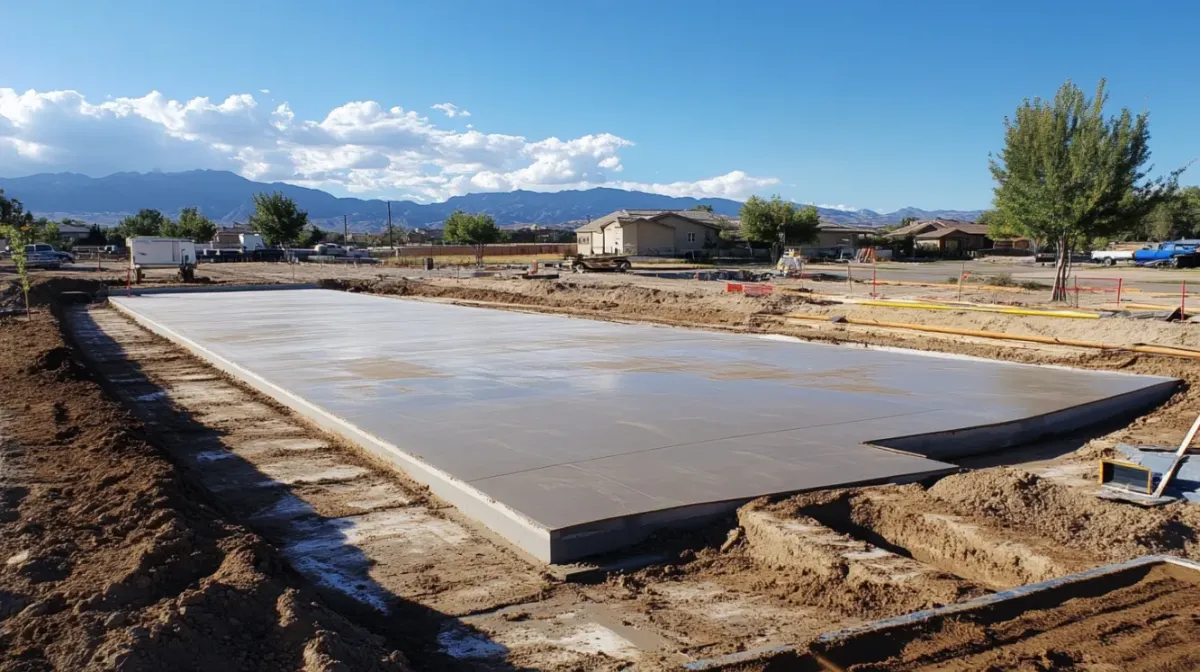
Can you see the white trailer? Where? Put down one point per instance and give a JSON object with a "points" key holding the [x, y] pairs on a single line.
{"points": [[152, 252], [1111, 257]]}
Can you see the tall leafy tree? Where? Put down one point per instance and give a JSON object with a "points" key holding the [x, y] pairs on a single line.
{"points": [[277, 218], [1068, 175], [778, 222], [145, 223], [467, 228], [194, 225], [313, 237]]}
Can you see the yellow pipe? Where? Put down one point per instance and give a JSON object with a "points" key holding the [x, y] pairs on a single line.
{"points": [[1045, 340], [977, 309]]}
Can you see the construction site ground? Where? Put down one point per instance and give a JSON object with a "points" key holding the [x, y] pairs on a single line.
{"points": [[150, 502]]}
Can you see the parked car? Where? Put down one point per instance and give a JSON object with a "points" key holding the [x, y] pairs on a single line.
{"points": [[44, 248], [330, 250]]}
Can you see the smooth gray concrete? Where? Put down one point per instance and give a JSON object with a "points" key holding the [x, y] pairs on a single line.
{"points": [[572, 436]]}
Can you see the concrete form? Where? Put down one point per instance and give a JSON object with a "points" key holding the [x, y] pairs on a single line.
{"points": [[571, 437]]}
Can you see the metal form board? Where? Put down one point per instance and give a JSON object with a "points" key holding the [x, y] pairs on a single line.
{"points": [[572, 436]]}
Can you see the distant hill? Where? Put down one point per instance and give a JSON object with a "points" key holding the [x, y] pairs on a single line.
{"points": [[227, 197]]}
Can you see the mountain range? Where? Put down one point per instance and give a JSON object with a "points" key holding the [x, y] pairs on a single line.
{"points": [[227, 197]]}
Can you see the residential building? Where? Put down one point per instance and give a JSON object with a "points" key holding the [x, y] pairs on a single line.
{"points": [[74, 231], [833, 236], [650, 232], [944, 237]]}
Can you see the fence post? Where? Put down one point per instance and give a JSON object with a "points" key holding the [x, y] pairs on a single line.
{"points": [[1119, 281], [961, 272], [849, 279], [874, 281], [1183, 300], [1076, 291]]}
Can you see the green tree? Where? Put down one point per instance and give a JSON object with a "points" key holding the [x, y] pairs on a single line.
{"points": [[906, 221], [1068, 175], [277, 218], [703, 207], [18, 227], [314, 237], [475, 229], [777, 223], [144, 223], [1175, 217], [194, 225], [96, 236]]}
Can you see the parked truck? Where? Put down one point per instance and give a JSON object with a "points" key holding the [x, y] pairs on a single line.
{"points": [[1111, 257], [1176, 254], [153, 252]]}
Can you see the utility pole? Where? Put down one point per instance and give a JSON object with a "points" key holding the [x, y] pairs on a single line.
{"points": [[345, 232], [390, 243]]}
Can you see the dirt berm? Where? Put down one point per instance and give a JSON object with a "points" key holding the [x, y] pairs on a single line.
{"points": [[112, 562]]}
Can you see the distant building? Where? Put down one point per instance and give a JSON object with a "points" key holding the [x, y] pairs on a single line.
{"points": [[945, 237], [833, 236], [74, 231], [649, 232], [229, 238]]}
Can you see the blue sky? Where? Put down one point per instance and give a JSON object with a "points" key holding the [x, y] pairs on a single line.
{"points": [[868, 104]]}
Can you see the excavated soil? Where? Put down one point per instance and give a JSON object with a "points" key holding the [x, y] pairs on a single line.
{"points": [[1139, 620], [112, 562]]}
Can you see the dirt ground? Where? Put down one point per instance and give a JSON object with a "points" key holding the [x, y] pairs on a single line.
{"points": [[113, 561], [780, 572]]}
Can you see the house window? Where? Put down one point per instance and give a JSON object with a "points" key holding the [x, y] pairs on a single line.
{"points": [[691, 236]]}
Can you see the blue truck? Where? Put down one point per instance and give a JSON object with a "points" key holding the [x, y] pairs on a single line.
{"points": [[1176, 254]]}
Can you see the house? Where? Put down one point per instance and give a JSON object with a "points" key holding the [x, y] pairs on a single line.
{"points": [[833, 236], [944, 237], [72, 231], [650, 232], [229, 238]]}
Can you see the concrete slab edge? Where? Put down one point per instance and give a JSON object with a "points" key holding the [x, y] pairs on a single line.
{"points": [[508, 523], [996, 436], [208, 289], [767, 653]]}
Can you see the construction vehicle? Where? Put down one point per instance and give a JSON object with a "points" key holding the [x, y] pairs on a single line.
{"points": [[606, 263]]}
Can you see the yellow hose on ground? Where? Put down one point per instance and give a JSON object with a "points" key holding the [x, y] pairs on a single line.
{"points": [[1045, 340]]}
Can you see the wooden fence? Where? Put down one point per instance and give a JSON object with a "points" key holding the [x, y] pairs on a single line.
{"points": [[502, 250]]}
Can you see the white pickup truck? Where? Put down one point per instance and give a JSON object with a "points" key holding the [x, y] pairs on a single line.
{"points": [[1111, 257]]}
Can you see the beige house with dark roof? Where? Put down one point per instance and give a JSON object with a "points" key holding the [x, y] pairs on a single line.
{"points": [[949, 237], [649, 232]]}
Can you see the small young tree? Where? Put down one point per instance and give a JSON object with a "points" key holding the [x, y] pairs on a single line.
{"points": [[18, 227], [1068, 175], [777, 223], [475, 229], [277, 218], [313, 237]]}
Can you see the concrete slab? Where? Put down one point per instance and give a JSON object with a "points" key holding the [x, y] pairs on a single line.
{"points": [[571, 436]]}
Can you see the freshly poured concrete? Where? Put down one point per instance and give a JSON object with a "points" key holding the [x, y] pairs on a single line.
{"points": [[571, 436]]}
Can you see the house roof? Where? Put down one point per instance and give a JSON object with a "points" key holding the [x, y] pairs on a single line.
{"points": [[938, 228], [701, 217], [834, 227]]}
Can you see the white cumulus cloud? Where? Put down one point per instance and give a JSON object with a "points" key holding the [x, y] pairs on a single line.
{"points": [[451, 110], [360, 147], [844, 208]]}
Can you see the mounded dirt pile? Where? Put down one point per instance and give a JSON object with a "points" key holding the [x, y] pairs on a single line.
{"points": [[625, 300], [1110, 531], [110, 561]]}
